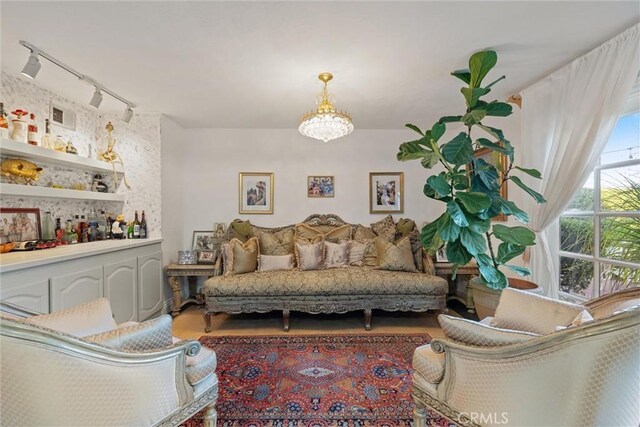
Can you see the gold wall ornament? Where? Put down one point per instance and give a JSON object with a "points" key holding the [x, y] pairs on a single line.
{"points": [[111, 156], [20, 169]]}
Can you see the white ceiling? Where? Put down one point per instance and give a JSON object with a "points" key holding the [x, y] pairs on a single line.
{"points": [[254, 64]]}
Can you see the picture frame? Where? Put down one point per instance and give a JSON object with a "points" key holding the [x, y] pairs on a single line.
{"points": [[320, 186], [62, 116], [492, 157], [207, 257], [386, 192], [441, 255], [19, 224], [202, 241], [255, 192], [187, 257]]}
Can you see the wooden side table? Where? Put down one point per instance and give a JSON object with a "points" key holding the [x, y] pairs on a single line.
{"points": [[175, 273], [458, 289]]}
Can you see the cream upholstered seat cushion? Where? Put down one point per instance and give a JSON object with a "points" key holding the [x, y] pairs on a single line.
{"points": [[478, 334], [150, 335], [429, 363], [525, 311], [337, 281], [81, 320]]}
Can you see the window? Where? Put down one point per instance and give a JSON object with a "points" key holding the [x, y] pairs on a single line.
{"points": [[600, 230]]}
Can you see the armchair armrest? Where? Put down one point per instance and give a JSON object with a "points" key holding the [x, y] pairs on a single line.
{"points": [[608, 304]]}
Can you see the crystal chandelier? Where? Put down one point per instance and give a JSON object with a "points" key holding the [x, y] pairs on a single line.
{"points": [[326, 123]]}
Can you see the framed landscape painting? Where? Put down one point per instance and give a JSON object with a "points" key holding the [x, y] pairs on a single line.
{"points": [[386, 192], [320, 186], [493, 158], [19, 224], [255, 192]]}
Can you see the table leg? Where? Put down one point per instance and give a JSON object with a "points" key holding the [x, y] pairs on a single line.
{"points": [[207, 320], [174, 282], [367, 319]]}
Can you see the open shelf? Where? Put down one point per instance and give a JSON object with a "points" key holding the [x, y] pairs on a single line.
{"points": [[57, 193], [40, 154]]}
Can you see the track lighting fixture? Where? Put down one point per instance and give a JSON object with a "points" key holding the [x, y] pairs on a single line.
{"points": [[96, 99], [128, 114], [33, 66]]}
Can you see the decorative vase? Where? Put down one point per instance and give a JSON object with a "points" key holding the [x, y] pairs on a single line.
{"points": [[486, 299], [19, 130]]}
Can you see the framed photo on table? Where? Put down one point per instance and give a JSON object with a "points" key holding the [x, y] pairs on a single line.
{"points": [[207, 257], [386, 192], [493, 158], [255, 192], [441, 255], [320, 186], [202, 241], [19, 224]]}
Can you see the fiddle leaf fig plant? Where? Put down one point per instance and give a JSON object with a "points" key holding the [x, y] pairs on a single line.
{"points": [[472, 194]]}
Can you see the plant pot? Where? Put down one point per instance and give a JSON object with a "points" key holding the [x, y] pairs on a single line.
{"points": [[485, 299]]}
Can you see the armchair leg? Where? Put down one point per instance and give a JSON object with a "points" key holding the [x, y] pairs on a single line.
{"points": [[419, 414], [367, 319], [210, 416], [285, 319], [207, 320]]}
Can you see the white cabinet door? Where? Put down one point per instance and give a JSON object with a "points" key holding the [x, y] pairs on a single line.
{"points": [[28, 289], [120, 288], [149, 285], [75, 288]]}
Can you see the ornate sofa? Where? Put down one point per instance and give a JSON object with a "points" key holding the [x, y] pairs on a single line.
{"points": [[336, 290], [583, 374]]}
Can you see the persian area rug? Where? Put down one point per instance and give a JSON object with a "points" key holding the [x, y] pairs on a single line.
{"points": [[308, 381]]}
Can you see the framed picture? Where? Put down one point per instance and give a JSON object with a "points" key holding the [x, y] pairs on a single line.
{"points": [[441, 255], [19, 224], [255, 192], [493, 157], [207, 257], [320, 186], [219, 230], [202, 241], [62, 116], [386, 192]]}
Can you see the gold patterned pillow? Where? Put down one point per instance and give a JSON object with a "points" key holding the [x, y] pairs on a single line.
{"points": [[384, 225], [356, 253], [239, 229], [362, 234], [244, 256], [370, 257], [312, 234], [395, 256], [336, 254], [309, 256], [277, 243]]}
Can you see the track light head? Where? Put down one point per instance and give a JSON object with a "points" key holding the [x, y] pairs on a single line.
{"points": [[128, 114], [96, 99], [33, 66]]}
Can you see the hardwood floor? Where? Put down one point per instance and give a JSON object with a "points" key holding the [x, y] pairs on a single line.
{"points": [[190, 325]]}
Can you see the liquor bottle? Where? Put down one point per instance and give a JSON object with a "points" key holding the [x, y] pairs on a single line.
{"points": [[109, 227], [32, 131], [59, 231], [47, 140], [4, 123], [48, 227], [130, 231], [83, 230], [102, 226], [143, 227], [136, 227]]}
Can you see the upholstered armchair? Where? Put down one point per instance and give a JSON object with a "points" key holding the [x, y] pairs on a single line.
{"points": [[77, 367], [538, 362]]}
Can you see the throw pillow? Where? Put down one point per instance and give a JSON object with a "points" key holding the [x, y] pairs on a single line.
{"points": [[405, 226], [275, 262], [384, 225], [244, 257], [90, 318], [525, 311], [150, 335], [356, 253], [363, 233], [336, 254], [370, 257], [416, 248], [276, 243], [474, 333], [309, 255], [239, 229], [313, 234], [395, 256], [227, 256]]}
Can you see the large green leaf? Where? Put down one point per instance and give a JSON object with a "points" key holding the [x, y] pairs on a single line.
{"points": [[498, 109], [518, 235], [429, 160], [460, 181], [475, 243], [429, 231], [522, 271], [532, 172], [536, 196], [438, 130], [495, 132], [510, 208], [487, 173], [450, 119], [474, 117], [478, 225], [480, 64], [458, 151], [508, 251], [473, 202], [463, 75], [457, 254], [415, 128], [432, 194], [456, 214], [439, 184], [448, 230], [411, 151], [473, 95], [495, 147]]}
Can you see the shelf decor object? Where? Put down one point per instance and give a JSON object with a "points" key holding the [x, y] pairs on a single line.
{"points": [[326, 123]]}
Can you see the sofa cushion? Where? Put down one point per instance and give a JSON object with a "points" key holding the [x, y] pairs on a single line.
{"points": [[337, 281], [276, 243], [336, 254], [244, 256], [275, 262], [405, 226], [307, 232], [239, 229], [429, 363], [309, 256], [525, 311], [395, 256], [356, 253], [384, 225], [479, 334], [362, 234], [150, 335], [370, 258], [90, 318]]}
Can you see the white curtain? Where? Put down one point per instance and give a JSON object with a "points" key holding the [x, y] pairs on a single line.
{"points": [[567, 118]]}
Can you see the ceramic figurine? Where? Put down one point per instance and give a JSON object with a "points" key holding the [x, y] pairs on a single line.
{"points": [[16, 169], [116, 227], [59, 144], [20, 127], [111, 156], [98, 185], [69, 148]]}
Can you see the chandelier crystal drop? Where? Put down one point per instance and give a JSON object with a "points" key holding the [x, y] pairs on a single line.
{"points": [[326, 123]]}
